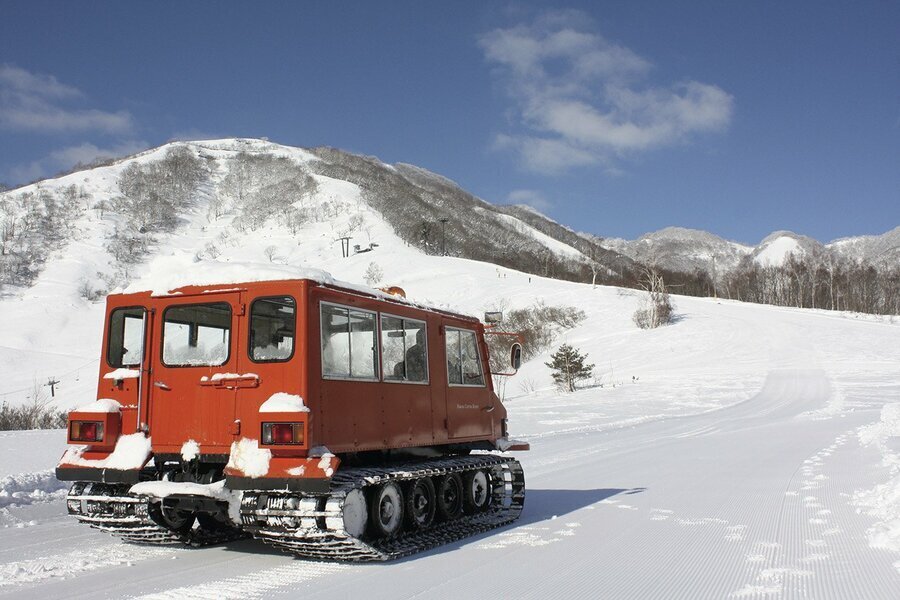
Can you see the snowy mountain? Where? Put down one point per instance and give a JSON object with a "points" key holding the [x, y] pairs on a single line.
{"points": [[877, 249], [682, 250], [688, 250]]}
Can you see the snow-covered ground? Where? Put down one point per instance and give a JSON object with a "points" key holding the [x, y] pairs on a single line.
{"points": [[743, 451], [746, 459]]}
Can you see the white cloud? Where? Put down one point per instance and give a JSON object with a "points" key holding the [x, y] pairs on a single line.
{"points": [[36, 102], [66, 158], [581, 100], [532, 198]]}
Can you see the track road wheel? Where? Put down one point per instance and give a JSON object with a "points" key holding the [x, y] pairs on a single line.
{"points": [[420, 504], [386, 510], [177, 521], [450, 497], [476, 492]]}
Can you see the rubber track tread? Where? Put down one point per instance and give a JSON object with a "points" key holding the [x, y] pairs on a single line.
{"points": [[333, 543], [133, 527]]}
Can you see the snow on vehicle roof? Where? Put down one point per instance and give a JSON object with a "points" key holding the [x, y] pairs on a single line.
{"points": [[171, 275]]}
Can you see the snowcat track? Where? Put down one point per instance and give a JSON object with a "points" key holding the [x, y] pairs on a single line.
{"points": [[111, 509], [313, 526]]}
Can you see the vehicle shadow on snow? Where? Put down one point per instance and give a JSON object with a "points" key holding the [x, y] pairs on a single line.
{"points": [[543, 505], [540, 505]]}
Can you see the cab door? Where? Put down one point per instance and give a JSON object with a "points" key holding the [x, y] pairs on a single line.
{"points": [[192, 390], [468, 398]]}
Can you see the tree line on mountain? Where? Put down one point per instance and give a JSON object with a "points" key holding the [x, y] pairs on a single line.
{"points": [[438, 217], [823, 281], [32, 224]]}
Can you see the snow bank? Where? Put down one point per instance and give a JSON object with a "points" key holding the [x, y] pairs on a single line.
{"points": [[249, 458], [103, 405], [131, 452], [282, 402], [883, 501], [29, 488]]}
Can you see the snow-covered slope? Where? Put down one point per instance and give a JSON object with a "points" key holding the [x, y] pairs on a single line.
{"points": [[777, 248], [735, 453]]}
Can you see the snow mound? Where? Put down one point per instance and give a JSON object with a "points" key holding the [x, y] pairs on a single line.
{"points": [[282, 402], [29, 488], [247, 457], [101, 406], [883, 501], [131, 452]]}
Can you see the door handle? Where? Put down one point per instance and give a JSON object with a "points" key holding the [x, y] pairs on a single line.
{"points": [[161, 385]]}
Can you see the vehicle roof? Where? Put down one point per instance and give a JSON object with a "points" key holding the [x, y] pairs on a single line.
{"points": [[329, 283]]}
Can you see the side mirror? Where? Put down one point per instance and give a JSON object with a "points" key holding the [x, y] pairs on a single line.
{"points": [[493, 317], [515, 356]]}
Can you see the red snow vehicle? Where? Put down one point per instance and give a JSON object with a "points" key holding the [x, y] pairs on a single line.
{"points": [[331, 421]]}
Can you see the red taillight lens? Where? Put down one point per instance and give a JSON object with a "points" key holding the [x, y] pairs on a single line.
{"points": [[86, 431], [282, 433]]}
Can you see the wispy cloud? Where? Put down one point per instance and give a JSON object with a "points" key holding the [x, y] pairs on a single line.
{"points": [[581, 100], [40, 103], [65, 158]]}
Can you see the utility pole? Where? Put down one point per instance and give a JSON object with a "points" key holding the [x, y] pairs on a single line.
{"points": [[443, 221], [52, 383]]}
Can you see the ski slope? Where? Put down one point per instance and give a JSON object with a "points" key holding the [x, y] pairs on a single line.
{"points": [[728, 467]]}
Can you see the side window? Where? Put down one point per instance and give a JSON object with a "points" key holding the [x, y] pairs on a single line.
{"points": [[349, 343], [197, 335], [404, 355], [463, 359], [272, 325], [124, 347]]}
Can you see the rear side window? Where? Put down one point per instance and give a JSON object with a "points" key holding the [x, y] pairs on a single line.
{"points": [[197, 335], [349, 343], [125, 345], [272, 325], [404, 356], [463, 359]]}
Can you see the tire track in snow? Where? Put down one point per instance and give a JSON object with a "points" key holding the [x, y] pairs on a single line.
{"points": [[42, 568], [813, 548], [251, 585]]}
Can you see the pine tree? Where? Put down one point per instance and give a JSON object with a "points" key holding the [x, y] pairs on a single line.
{"points": [[568, 367]]}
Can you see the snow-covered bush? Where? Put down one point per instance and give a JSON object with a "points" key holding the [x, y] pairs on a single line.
{"points": [[656, 309], [374, 274]]}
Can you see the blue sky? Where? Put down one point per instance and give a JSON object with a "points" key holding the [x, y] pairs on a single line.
{"points": [[615, 118]]}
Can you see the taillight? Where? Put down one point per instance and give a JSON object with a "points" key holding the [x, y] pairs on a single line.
{"points": [[86, 431], [282, 433]]}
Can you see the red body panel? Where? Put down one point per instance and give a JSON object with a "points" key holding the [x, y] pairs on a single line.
{"points": [[175, 404]]}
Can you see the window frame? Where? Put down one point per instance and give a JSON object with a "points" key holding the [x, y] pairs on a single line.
{"points": [[162, 335], [427, 380], [477, 355], [376, 332], [250, 331], [144, 324]]}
